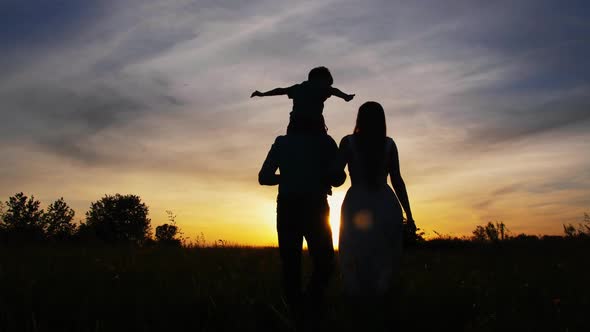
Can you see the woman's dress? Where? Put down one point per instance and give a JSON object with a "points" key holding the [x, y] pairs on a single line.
{"points": [[370, 226]]}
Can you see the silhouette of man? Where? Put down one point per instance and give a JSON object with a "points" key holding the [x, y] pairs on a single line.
{"points": [[307, 173]]}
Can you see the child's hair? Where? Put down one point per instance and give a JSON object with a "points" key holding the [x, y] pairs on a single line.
{"points": [[320, 74]]}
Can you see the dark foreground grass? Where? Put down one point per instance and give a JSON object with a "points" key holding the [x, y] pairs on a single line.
{"points": [[526, 286]]}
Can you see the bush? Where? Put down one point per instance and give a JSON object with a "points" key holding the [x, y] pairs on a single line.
{"points": [[525, 237], [167, 233], [118, 219]]}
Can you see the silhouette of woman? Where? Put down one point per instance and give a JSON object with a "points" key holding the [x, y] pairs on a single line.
{"points": [[371, 216]]}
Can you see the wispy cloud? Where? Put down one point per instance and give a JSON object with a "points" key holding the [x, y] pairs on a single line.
{"points": [[486, 100]]}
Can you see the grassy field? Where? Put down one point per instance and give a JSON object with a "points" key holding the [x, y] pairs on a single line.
{"points": [[527, 286]]}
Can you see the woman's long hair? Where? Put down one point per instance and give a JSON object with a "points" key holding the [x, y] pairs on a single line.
{"points": [[371, 132]]}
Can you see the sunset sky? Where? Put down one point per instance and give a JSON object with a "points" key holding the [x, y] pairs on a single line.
{"points": [[488, 101]]}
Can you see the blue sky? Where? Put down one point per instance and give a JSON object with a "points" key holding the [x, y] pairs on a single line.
{"points": [[488, 102]]}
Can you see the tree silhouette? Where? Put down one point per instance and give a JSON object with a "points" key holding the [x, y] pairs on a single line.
{"points": [[167, 233], [2, 226], [118, 218], [58, 221], [22, 219], [490, 232], [2, 212]]}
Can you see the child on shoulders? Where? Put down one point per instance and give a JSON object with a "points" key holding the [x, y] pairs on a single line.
{"points": [[308, 100]]}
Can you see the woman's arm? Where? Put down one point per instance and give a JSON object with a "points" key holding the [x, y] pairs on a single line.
{"points": [[338, 176], [273, 92], [340, 161], [399, 185]]}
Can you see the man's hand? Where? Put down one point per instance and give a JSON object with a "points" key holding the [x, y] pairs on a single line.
{"points": [[256, 94], [348, 97]]}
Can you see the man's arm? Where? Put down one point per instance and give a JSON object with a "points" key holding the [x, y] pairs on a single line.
{"points": [[336, 92], [273, 92], [267, 175]]}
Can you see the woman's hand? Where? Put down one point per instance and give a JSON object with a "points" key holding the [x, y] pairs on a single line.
{"points": [[411, 223], [349, 97], [256, 94]]}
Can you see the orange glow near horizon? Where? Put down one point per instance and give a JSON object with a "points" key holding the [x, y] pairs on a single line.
{"points": [[164, 111], [335, 202]]}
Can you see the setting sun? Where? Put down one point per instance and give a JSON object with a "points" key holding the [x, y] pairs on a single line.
{"points": [[163, 111], [335, 202], [164, 164]]}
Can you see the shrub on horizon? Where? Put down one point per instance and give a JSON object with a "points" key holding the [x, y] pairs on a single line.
{"points": [[167, 234], [525, 237]]}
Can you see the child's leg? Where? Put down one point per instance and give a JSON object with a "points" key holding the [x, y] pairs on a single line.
{"points": [[322, 128], [295, 124]]}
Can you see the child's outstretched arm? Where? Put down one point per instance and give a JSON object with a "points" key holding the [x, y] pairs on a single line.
{"points": [[273, 92], [336, 92]]}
